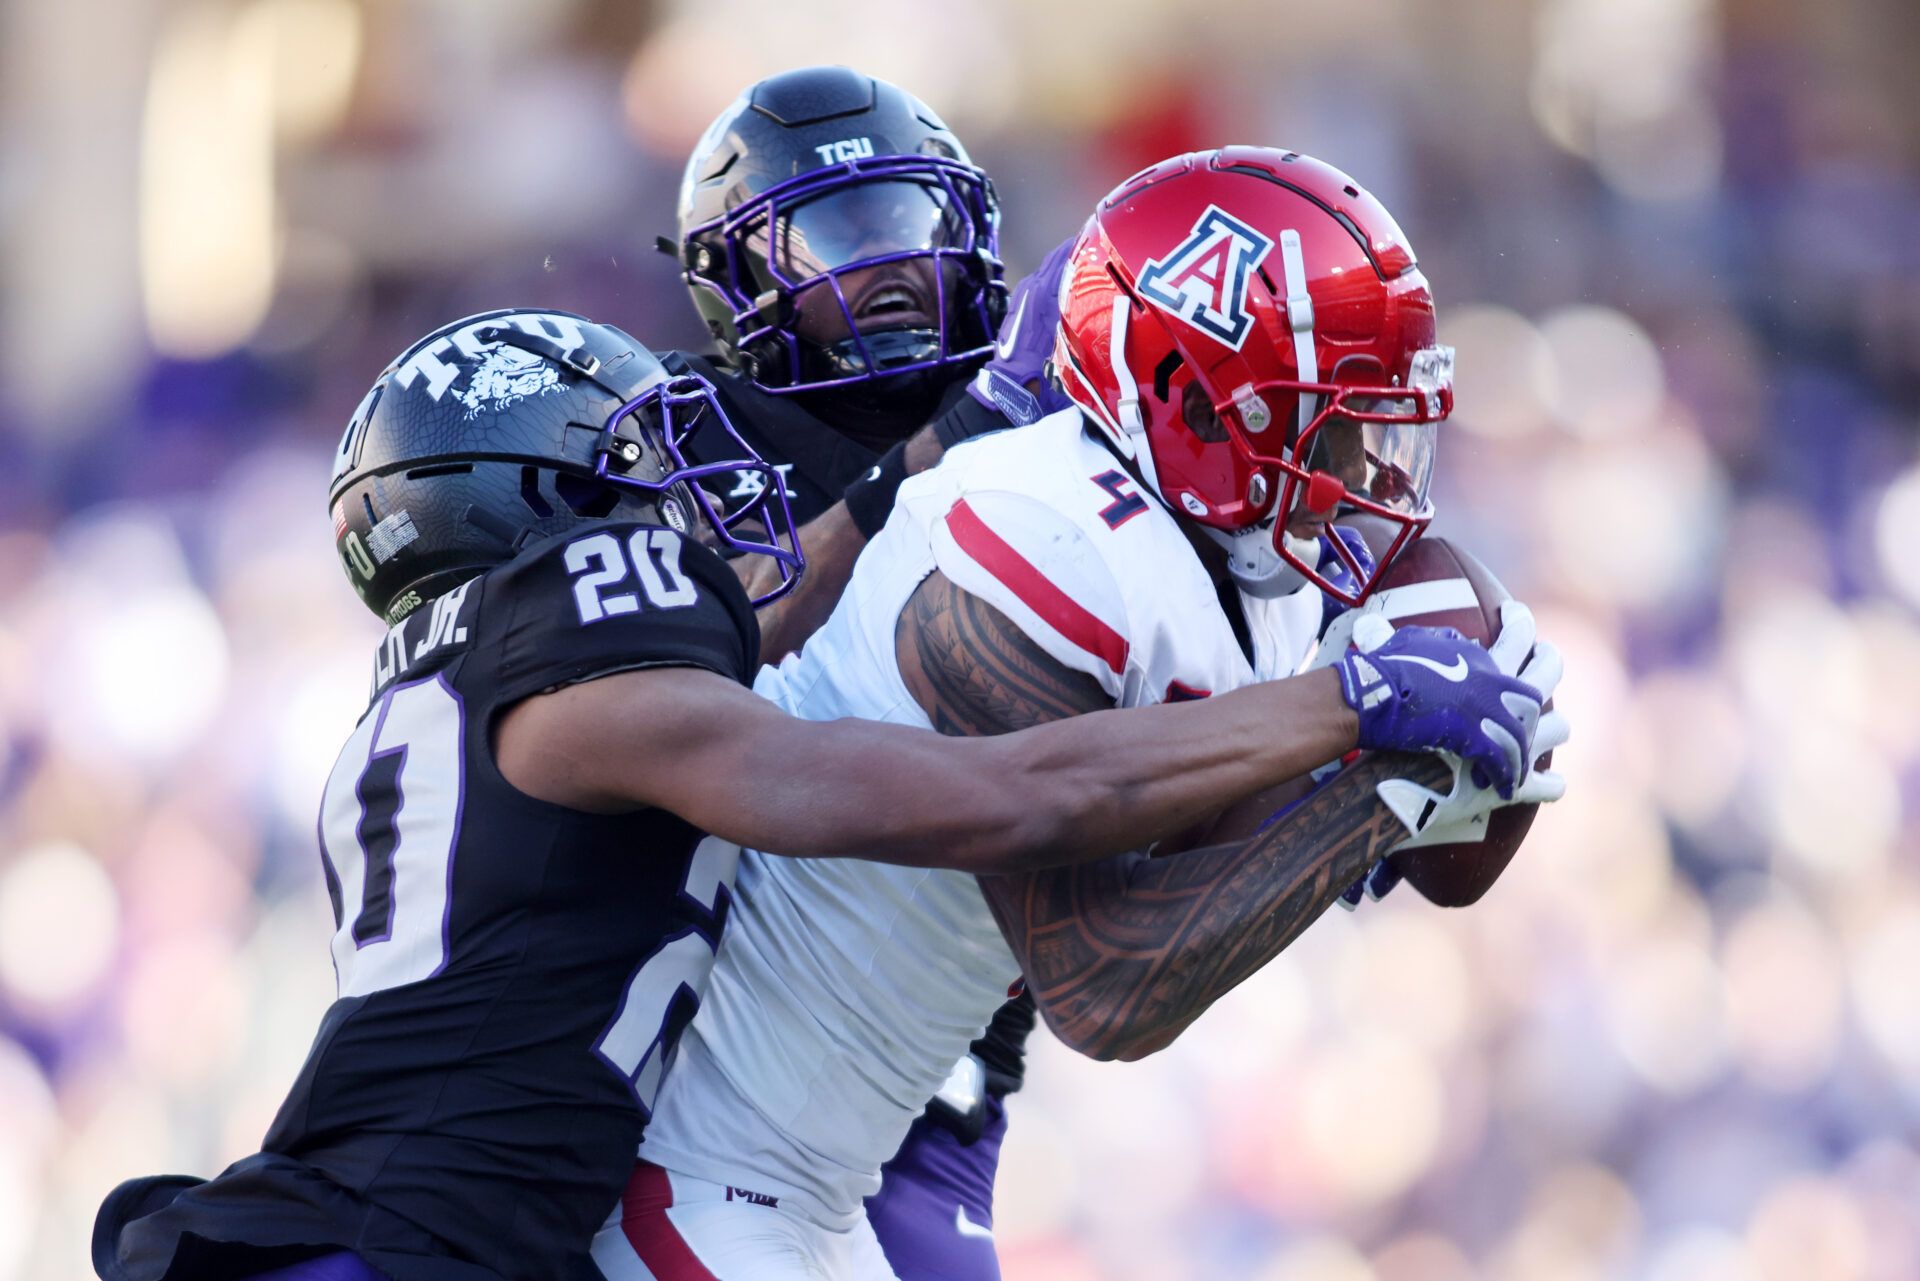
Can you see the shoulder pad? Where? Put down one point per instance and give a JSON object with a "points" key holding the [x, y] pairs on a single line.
{"points": [[1042, 571], [613, 597]]}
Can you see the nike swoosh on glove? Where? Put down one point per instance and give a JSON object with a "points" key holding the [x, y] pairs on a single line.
{"points": [[1461, 813], [1423, 689]]}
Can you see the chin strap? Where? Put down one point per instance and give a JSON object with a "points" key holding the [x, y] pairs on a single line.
{"points": [[1129, 404], [1255, 564]]}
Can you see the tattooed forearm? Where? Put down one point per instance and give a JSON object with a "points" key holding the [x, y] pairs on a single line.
{"points": [[1123, 955]]}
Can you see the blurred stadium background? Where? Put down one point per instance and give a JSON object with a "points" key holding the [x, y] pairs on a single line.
{"points": [[1675, 243]]}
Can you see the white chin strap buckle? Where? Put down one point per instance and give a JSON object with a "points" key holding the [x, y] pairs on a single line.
{"points": [[1255, 564]]}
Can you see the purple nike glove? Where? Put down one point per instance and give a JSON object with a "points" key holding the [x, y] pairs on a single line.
{"points": [[1015, 381], [1425, 688], [1335, 570]]}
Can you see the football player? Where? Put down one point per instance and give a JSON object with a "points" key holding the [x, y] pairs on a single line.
{"points": [[844, 252], [529, 840], [1250, 348]]}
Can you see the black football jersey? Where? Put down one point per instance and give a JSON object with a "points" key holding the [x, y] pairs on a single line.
{"points": [[818, 464], [512, 975]]}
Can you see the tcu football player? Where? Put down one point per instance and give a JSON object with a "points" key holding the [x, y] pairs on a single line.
{"points": [[844, 252], [515, 837], [1249, 347]]}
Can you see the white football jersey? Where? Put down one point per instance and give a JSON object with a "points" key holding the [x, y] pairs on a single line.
{"points": [[846, 990]]}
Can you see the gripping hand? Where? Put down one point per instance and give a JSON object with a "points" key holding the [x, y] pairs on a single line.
{"points": [[1430, 689], [1460, 814]]}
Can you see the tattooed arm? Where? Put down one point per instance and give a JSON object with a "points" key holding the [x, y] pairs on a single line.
{"points": [[1121, 955]]}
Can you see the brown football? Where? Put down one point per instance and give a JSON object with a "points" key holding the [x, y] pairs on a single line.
{"points": [[1434, 583]]}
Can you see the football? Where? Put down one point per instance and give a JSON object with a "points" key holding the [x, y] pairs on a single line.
{"points": [[1435, 583]]}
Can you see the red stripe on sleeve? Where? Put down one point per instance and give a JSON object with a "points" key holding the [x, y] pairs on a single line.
{"points": [[643, 1217], [1015, 572]]}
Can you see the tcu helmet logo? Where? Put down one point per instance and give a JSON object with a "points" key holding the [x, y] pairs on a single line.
{"points": [[1204, 280], [847, 149], [441, 373]]}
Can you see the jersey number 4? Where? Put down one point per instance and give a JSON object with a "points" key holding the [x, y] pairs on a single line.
{"points": [[1125, 505], [389, 823]]}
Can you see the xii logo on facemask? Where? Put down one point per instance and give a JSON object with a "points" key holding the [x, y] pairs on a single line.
{"points": [[1204, 280]]}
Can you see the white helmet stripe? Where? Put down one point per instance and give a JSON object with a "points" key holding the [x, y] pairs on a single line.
{"points": [[1093, 404], [1138, 447], [1300, 319], [1122, 374]]}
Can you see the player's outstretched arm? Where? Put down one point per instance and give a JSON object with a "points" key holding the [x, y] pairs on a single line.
{"points": [[1123, 954], [733, 764]]}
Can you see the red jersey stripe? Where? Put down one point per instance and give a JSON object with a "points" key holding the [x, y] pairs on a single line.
{"points": [[1034, 590], [643, 1217]]}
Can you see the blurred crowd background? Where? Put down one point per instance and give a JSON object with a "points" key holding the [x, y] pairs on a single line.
{"points": [[1675, 242]]}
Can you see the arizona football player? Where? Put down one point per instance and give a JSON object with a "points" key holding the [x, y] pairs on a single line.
{"points": [[1250, 348], [515, 837], [844, 252]]}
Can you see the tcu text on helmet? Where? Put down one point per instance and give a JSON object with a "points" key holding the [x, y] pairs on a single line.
{"points": [[1204, 279], [564, 330], [833, 153]]}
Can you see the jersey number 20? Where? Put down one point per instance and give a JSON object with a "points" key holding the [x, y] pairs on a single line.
{"points": [[599, 561]]}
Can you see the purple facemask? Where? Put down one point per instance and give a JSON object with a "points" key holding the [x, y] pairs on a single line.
{"points": [[791, 248], [665, 417]]}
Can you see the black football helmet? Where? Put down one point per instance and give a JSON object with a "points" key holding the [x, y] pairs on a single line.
{"points": [[815, 174], [500, 429]]}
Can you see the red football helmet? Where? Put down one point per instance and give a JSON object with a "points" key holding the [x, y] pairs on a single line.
{"points": [[1249, 327]]}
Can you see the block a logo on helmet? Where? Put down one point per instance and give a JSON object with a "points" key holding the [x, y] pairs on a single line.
{"points": [[1204, 280], [1288, 395]]}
